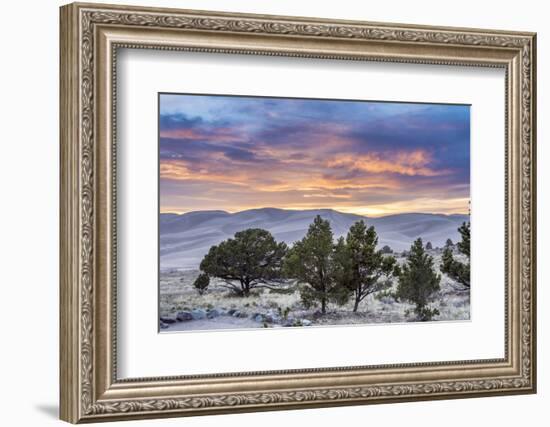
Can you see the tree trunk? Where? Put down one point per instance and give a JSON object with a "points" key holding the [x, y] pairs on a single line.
{"points": [[357, 292], [245, 288], [323, 305], [356, 305]]}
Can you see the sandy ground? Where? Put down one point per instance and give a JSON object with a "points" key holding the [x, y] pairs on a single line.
{"points": [[222, 322], [177, 294]]}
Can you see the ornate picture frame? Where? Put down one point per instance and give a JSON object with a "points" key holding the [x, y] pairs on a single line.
{"points": [[91, 34]]}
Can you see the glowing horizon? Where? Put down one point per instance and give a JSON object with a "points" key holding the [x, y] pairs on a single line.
{"points": [[367, 211], [368, 158]]}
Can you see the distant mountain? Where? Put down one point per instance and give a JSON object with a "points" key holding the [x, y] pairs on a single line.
{"points": [[186, 238]]}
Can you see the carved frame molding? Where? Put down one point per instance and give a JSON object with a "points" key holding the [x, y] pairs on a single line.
{"points": [[90, 37]]}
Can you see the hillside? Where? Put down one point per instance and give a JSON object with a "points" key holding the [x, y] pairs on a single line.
{"points": [[185, 238]]}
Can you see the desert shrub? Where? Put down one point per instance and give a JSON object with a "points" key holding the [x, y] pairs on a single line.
{"points": [[283, 313], [251, 259], [283, 291], [426, 313], [386, 250], [418, 281], [272, 304], [201, 283]]}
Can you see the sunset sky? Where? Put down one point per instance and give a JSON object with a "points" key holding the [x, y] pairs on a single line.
{"points": [[370, 158]]}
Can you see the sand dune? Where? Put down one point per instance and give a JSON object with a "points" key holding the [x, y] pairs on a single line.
{"points": [[186, 238]]}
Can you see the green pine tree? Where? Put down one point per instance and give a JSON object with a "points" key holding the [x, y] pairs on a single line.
{"points": [[456, 270], [418, 281], [311, 262], [341, 270], [367, 269], [464, 244]]}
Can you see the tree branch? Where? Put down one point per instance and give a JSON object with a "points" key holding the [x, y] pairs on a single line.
{"points": [[231, 286]]}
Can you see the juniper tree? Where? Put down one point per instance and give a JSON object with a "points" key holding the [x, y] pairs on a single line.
{"points": [[387, 250], [201, 283], [310, 262], [251, 259], [449, 243], [456, 270], [367, 270], [429, 246], [418, 281]]}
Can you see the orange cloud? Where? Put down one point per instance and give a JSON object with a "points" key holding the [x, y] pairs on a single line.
{"points": [[178, 170], [404, 163], [300, 188], [174, 170], [311, 182]]}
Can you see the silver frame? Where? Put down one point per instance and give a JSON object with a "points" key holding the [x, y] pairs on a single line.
{"points": [[90, 37]]}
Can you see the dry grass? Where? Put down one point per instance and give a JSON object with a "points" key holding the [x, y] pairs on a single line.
{"points": [[177, 293]]}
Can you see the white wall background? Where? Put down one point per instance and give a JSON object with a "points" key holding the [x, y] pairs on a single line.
{"points": [[29, 170]]}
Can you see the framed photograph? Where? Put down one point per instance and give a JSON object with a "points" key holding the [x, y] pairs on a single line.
{"points": [[266, 212]]}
